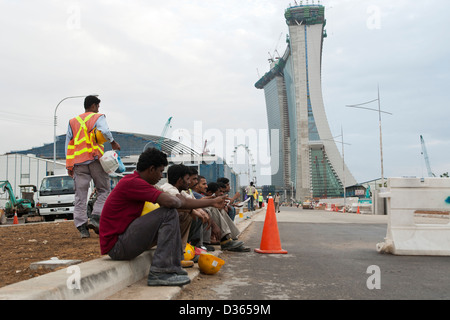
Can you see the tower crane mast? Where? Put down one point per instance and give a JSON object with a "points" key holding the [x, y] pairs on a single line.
{"points": [[163, 134], [425, 155]]}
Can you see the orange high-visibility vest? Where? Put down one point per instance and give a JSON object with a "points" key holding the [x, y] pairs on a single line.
{"points": [[83, 146]]}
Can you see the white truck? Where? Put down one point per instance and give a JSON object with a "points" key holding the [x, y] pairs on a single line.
{"points": [[56, 196]]}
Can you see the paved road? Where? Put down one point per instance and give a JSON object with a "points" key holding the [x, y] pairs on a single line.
{"points": [[330, 256]]}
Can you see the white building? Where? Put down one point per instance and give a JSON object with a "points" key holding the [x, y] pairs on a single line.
{"points": [[21, 169], [311, 161]]}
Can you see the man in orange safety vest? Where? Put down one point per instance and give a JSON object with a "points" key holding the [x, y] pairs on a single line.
{"points": [[83, 151]]}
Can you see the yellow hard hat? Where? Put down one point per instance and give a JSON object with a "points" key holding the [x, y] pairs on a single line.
{"points": [[149, 207], [209, 264], [99, 136], [189, 252]]}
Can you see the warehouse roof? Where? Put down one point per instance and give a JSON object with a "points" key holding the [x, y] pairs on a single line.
{"points": [[130, 143]]}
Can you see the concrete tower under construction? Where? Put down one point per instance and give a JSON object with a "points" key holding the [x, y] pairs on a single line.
{"points": [[309, 161]]}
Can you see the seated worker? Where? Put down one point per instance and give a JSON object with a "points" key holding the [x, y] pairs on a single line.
{"points": [[199, 190], [178, 176], [200, 232], [229, 230], [230, 209], [125, 233], [211, 235]]}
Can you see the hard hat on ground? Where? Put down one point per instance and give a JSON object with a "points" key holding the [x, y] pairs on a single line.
{"points": [[189, 252], [209, 264]]}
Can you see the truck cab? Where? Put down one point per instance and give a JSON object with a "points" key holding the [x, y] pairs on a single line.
{"points": [[56, 197]]}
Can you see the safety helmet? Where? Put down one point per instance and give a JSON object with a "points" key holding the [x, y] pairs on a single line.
{"points": [[209, 264], [99, 136], [189, 252], [149, 207]]}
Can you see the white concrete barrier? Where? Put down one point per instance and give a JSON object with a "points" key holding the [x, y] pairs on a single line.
{"points": [[404, 197]]}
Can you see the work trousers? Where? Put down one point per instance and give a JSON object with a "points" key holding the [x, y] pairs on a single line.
{"points": [[185, 226], [226, 225], [277, 206], [199, 233], [82, 176], [250, 204], [160, 227]]}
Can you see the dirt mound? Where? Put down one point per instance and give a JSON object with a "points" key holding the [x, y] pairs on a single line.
{"points": [[21, 245]]}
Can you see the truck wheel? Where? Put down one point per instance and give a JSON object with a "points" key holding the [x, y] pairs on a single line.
{"points": [[49, 218]]}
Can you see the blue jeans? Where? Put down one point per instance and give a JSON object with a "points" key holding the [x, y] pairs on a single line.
{"points": [[250, 204], [232, 212]]}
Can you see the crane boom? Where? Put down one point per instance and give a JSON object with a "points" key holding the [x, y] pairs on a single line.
{"points": [[425, 155], [163, 134]]}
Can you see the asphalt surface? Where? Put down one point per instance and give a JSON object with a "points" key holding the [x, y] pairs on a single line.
{"points": [[331, 256]]}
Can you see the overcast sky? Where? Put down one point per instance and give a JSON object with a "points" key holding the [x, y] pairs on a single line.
{"points": [[198, 61]]}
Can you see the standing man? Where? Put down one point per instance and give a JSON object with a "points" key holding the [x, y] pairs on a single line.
{"points": [[277, 202], [260, 200], [250, 190], [83, 151]]}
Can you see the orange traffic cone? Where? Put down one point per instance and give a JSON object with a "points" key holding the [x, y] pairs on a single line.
{"points": [[270, 241], [357, 211], [16, 220]]}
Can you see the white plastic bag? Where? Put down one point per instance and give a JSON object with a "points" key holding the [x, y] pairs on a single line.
{"points": [[110, 161]]}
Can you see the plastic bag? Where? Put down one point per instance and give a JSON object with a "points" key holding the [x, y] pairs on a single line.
{"points": [[121, 165], [110, 161]]}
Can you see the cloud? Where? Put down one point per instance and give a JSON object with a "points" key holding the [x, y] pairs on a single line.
{"points": [[199, 60]]}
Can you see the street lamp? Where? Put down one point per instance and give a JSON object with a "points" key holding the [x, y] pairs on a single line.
{"points": [[54, 128], [379, 122], [343, 159]]}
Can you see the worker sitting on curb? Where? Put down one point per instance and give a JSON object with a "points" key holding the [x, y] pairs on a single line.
{"points": [[229, 230], [210, 235], [230, 208], [178, 181], [200, 232], [125, 233]]}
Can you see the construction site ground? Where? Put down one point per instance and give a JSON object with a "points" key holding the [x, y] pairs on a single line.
{"points": [[23, 244]]}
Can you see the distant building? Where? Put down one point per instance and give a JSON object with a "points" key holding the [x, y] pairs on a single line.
{"points": [[132, 145], [24, 169], [309, 161]]}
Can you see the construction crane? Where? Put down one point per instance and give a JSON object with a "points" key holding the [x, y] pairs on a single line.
{"points": [[205, 150], [425, 155], [163, 134]]}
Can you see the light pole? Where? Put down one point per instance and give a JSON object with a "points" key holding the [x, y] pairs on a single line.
{"points": [[379, 123], [343, 160], [54, 128]]}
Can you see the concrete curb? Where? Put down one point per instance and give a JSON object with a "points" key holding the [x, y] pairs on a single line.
{"points": [[97, 279]]}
